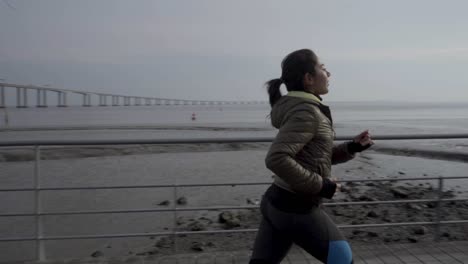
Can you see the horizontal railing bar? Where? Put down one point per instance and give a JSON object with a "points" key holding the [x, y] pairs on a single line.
{"points": [[387, 224], [207, 140], [137, 186], [218, 231], [216, 208], [12, 239], [133, 235], [218, 184], [404, 224], [394, 202], [171, 209]]}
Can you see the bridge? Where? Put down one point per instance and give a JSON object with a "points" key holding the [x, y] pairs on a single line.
{"points": [[41, 93]]}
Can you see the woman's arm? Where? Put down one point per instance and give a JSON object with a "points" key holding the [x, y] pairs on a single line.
{"points": [[347, 150], [341, 153]]}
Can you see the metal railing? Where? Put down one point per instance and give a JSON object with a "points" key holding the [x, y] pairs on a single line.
{"points": [[39, 213]]}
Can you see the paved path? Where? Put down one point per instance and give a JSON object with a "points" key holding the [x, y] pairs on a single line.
{"points": [[429, 253]]}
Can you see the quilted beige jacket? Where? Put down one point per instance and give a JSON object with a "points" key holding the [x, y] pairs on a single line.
{"points": [[303, 151]]}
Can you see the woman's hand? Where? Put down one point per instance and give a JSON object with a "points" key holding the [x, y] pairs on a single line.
{"points": [[338, 185], [360, 142], [364, 138]]}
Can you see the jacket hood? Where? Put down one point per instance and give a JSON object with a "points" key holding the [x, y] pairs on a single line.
{"points": [[289, 103]]}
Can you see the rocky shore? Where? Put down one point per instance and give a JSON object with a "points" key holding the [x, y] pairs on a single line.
{"points": [[342, 215], [234, 162]]}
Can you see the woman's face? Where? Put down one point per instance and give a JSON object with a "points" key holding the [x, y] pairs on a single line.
{"points": [[317, 84]]}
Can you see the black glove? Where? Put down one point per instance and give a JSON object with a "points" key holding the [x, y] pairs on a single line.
{"points": [[328, 188], [354, 147]]}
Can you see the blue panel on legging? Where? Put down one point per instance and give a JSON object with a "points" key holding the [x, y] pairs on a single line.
{"points": [[339, 252]]}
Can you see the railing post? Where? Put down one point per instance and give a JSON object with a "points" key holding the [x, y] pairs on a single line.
{"points": [[2, 96], [175, 218], [40, 250], [25, 98], [439, 208], [38, 98], [18, 97]]}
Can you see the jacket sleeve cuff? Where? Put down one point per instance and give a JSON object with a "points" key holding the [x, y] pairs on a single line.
{"points": [[328, 188], [354, 147]]}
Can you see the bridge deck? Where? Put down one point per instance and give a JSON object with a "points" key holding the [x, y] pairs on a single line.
{"points": [[429, 253]]}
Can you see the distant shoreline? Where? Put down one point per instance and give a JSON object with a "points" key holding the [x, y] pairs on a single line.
{"points": [[198, 126]]}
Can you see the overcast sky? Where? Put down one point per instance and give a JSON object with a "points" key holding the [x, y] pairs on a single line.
{"points": [[225, 50]]}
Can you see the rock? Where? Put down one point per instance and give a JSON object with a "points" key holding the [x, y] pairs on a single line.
{"points": [[365, 198], [420, 230], [357, 232], [372, 234], [97, 254], [206, 219], [165, 203], [345, 189], [427, 214], [446, 234], [337, 212], [164, 242], [196, 226], [371, 184], [372, 214], [148, 253], [386, 219], [412, 239], [180, 221], [182, 201], [197, 246], [401, 173], [229, 219], [399, 192], [413, 207], [225, 216], [252, 202], [210, 244]]}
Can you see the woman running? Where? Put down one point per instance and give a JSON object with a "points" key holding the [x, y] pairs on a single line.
{"points": [[301, 157]]}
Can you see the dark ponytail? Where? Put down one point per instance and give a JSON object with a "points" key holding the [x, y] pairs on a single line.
{"points": [[273, 88], [293, 68]]}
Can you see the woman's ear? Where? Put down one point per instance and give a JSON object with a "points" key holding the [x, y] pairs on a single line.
{"points": [[308, 80]]}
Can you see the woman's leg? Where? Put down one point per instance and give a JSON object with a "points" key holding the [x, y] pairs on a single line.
{"points": [[272, 242], [318, 235]]}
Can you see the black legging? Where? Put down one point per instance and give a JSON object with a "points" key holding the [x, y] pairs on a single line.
{"points": [[314, 231]]}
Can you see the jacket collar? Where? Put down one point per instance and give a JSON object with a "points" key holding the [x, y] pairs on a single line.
{"points": [[305, 95], [317, 99]]}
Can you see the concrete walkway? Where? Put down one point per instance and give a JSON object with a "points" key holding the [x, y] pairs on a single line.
{"points": [[429, 253]]}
